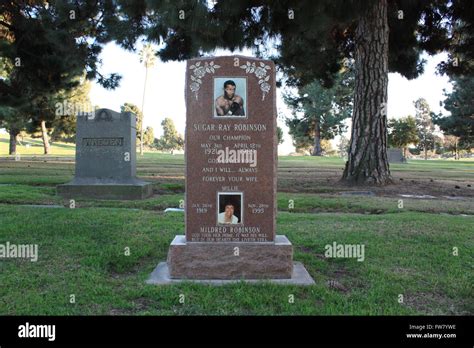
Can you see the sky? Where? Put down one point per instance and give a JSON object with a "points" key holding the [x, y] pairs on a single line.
{"points": [[165, 90]]}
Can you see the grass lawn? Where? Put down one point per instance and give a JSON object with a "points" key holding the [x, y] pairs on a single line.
{"points": [[81, 252], [408, 251], [29, 147]]}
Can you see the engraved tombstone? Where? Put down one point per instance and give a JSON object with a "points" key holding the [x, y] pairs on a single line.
{"points": [[106, 158], [231, 164]]}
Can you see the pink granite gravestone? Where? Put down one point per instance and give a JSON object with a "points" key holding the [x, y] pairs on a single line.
{"points": [[231, 164]]}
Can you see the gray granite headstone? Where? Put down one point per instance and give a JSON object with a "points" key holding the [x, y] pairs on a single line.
{"points": [[106, 158], [395, 155]]}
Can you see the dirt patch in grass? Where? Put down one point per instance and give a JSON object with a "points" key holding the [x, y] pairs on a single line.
{"points": [[318, 180], [336, 285], [310, 251], [119, 311], [339, 277], [434, 304]]}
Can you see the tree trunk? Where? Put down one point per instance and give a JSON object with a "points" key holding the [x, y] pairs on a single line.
{"points": [[143, 112], [13, 140], [456, 150], [426, 151], [367, 159], [317, 140], [44, 135]]}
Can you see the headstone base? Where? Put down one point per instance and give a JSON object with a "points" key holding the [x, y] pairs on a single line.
{"points": [[161, 276], [230, 260], [128, 190]]}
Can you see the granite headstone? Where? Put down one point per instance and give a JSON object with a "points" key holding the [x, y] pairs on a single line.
{"points": [[231, 164], [395, 155], [106, 158]]}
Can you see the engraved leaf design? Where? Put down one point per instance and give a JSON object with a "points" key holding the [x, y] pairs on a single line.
{"points": [[208, 70], [199, 80], [198, 63], [192, 67], [267, 78], [211, 63], [243, 66], [267, 67], [262, 64], [193, 78], [217, 66]]}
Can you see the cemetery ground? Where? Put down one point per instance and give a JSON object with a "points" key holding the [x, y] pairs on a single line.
{"points": [[408, 248]]}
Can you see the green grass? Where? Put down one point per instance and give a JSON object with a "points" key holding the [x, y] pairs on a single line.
{"points": [[301, 202], [408, 251], [35, 147], [81, 252]]}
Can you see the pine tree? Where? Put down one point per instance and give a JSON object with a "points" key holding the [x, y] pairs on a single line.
{"points": [[460, 103], [319, 112], [68, 105], [47, 46], [312, 40]]}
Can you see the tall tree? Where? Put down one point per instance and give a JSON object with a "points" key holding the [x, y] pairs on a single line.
{"points": [[305, 49], [68, 105], [460, 103], [48, 44], [343, 146], [424, 125], [148, 58], [171, 139], [402, 132], [280, 135], [9, 117], [129, 107], [56, 118], [451, 143], [308, 49], [148, 136], [13, 123], [319, 112]]}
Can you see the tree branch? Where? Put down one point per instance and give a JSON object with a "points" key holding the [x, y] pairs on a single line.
{"points": [[5, 24]]}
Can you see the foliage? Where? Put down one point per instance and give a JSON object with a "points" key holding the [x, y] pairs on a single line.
{"points": [[460, 103], [171, 139]]}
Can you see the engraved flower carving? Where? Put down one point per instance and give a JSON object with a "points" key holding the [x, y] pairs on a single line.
{"points": [[260, 72], [198, 72], [194, 86], [265, 87]]}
